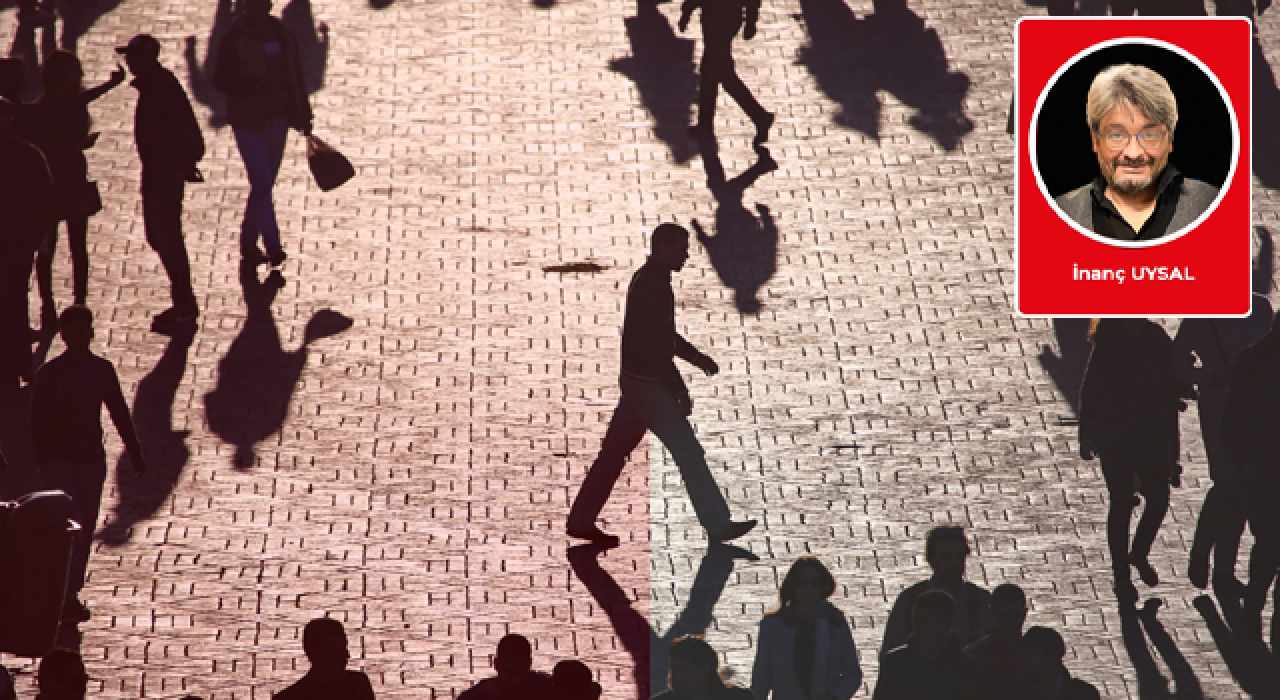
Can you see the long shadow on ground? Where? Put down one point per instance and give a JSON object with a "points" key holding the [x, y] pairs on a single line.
{"points": [[661, 66], [890, 50], [257, 377]]}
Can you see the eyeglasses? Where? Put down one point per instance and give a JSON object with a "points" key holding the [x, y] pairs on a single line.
{"points": [[1119, 140]]}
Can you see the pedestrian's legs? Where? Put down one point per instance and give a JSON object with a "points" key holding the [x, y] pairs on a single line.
{"points": [[1227, 509], [626, 430], [162, 217], [78, 241], [1120, 496], [717, 61], [277, 136], [1155, 493], [262, 152], [83, 483], [657, 406], [44, 277], [739, 92]]}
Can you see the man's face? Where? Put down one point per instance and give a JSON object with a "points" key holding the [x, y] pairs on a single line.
{"points": [[948, 561], [673, 254], [1135, 166], [1007, 619]]}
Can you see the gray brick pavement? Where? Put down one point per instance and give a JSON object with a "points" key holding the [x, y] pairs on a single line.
{"points": [[416, 485]]}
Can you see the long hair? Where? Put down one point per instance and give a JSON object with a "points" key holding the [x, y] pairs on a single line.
{"points": [[790, 583]]}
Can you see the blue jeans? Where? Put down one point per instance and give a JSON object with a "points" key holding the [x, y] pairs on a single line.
{"points": [[262, 152]]}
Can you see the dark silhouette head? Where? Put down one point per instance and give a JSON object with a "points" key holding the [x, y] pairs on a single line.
{"points": [[1008, 611], [324, 641], [945, 548], [1043, 650], [61, 73], [142, 53], [670, 246], [76, 326], [571, 680], [514, 656], [13, 79], [62, 676], [807, 582], [695, 667], [932, 617]]}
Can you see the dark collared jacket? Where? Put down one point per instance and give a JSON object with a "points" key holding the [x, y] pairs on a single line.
{"points": [[164, 126], [1183, 200], [649, 338]]}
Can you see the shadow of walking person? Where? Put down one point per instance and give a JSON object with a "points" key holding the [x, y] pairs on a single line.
{"points": [[313, 42], [79, 17], [1152, 685], [167, 451], [890, 50], [647, 649], [1067, 369], [744, 251], [33, 53], [257, 377], [1264, 260], [1266, 110], [661, 65], [1250, 664]]}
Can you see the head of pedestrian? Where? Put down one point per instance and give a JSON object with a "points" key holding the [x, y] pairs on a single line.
{"points": [[62, 676], [945, 549], [1008, 612], [324, 641], [76, 328], [62, 74], [806, 586], [669, 246], [141, 54], [13, 79], [932, 617], [1043, 649], [571, 680], [514, 657], [695, 669], [1132, 114]]}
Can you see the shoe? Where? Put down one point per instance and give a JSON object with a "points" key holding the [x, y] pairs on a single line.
{"points": [[762, 128], [1126, 593], [700, 131], [1198, 569], [253, 255], [75, 611], [276, 257], [734, 531], [596, 536], [1145, 572]]}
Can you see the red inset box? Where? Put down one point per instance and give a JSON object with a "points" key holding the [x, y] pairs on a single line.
{"points": [[1065, 268]]}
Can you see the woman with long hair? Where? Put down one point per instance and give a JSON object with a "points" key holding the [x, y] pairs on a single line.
{"points": [[805, 648], [1129, 404], [63, 135], [695, 673]]}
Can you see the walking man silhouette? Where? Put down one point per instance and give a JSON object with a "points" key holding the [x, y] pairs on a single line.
{"points": [[721, 20], [654, 397]]}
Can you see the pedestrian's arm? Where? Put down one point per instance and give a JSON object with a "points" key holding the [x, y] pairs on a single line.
{"points": [[93, 93], [119, 412], [761, 669], [850, 670], [690, 354], [753, 15]]}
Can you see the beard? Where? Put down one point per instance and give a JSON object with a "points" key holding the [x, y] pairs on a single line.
{"points": [[1131, 186]]}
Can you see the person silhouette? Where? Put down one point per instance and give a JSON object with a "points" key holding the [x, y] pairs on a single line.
{"points": [[1129, 404], [1000, 651], [654, 397], [721, 20], [513, 664], [945, 550], [695, 674], [66, 432], [62, 676], [1216, 343], [805, 648], [324, 641], [931, 665], [571, 680]]}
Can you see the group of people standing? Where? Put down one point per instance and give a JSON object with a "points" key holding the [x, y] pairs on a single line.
{"points": [[260, 73]]}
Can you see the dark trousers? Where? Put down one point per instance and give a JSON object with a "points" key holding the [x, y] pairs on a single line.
{"points": [[162, 195], [1128, 471], [1222, 518], [78, 240], [717, 69], [15, 343], [1261, 497], [83, 482]]}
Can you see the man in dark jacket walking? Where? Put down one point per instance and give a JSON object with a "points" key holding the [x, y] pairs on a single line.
{"points": [[654, 397], [169, 145]]}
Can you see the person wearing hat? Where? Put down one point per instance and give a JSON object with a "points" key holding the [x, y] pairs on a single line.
{"points": [[169, 145], [260, 72]]}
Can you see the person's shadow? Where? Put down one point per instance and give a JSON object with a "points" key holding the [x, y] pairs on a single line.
{"points": [[1152, 685], [165, 448], [1247, 660], [257, 377], [313, 53], [889, 50], [33, 52], [648, 650], [1067, 368], [744, 250], [78, 17], [1266, 113], [661, 66]]}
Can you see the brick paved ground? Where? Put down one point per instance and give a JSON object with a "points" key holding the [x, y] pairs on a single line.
{"points": [[393, 434]]}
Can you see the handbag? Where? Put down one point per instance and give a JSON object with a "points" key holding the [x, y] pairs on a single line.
{"points": [[329, 167]]}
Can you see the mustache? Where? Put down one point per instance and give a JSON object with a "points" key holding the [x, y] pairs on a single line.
{"points": [[1136, 162]]}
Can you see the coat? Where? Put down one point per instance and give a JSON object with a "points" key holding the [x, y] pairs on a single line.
{"points": [[835, 664], [240, 75]]}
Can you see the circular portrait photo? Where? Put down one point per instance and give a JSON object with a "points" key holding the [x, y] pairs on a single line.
{"points": [[1132, 142]]}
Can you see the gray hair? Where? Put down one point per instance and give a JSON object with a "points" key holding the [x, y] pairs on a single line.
{"points": [[1132, 86]]}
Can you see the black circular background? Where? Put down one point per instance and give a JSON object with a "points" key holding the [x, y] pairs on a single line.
{"points": [[1201, 144]]}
